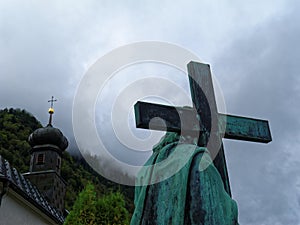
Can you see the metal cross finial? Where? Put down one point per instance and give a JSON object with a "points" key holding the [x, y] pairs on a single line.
{"points": [[52, 100], [51, 110]]}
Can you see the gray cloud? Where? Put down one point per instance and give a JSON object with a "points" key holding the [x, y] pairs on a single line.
{"points": [[264, 72]]}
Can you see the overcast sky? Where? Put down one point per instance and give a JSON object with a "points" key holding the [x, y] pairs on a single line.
{"points": [[46, 47]]}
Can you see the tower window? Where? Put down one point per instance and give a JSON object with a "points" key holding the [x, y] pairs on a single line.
{"points": [[40, 159]]}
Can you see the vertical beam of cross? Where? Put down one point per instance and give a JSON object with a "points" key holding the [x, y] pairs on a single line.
{"points": [[203, 97]]}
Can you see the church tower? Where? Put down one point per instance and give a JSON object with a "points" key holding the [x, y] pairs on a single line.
{"points": [[47, 144]]}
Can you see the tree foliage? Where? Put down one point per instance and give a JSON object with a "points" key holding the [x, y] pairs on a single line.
{"points": [[111, 210], [15, 127], [107, 210], [84, 208]]}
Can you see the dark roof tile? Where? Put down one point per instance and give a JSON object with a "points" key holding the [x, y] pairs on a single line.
{"points": [[27, 190]]}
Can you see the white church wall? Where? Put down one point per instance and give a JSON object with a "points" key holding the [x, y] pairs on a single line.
{"points": [[15, 210]]}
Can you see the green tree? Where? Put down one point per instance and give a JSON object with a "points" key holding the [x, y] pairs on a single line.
{"points": [[84, 208], [111, 210], [107, 210]]}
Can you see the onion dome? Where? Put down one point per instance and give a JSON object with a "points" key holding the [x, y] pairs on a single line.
{"points": [[49, 135]]}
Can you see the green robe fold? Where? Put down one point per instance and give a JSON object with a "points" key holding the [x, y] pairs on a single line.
{"points": [[193, 195]]}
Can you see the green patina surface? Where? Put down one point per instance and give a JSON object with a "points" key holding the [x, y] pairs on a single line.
{"points": [[235, 127], [194, 195]]}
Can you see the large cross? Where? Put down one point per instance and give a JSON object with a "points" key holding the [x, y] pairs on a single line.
{"points": [[203, 120]]}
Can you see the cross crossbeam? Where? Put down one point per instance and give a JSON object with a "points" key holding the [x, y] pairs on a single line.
{"points": [[237, 127]]}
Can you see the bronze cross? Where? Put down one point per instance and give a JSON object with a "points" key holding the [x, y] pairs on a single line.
{"points": [[203, 120]]}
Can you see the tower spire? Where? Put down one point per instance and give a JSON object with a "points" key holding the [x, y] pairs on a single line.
{"points": [[47, 146], [51, 110]]}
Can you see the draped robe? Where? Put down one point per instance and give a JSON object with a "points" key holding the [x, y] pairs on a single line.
{"points": [[193, 194]]}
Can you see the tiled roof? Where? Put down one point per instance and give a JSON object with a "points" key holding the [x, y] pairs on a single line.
{"points": [[24, 187]]}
